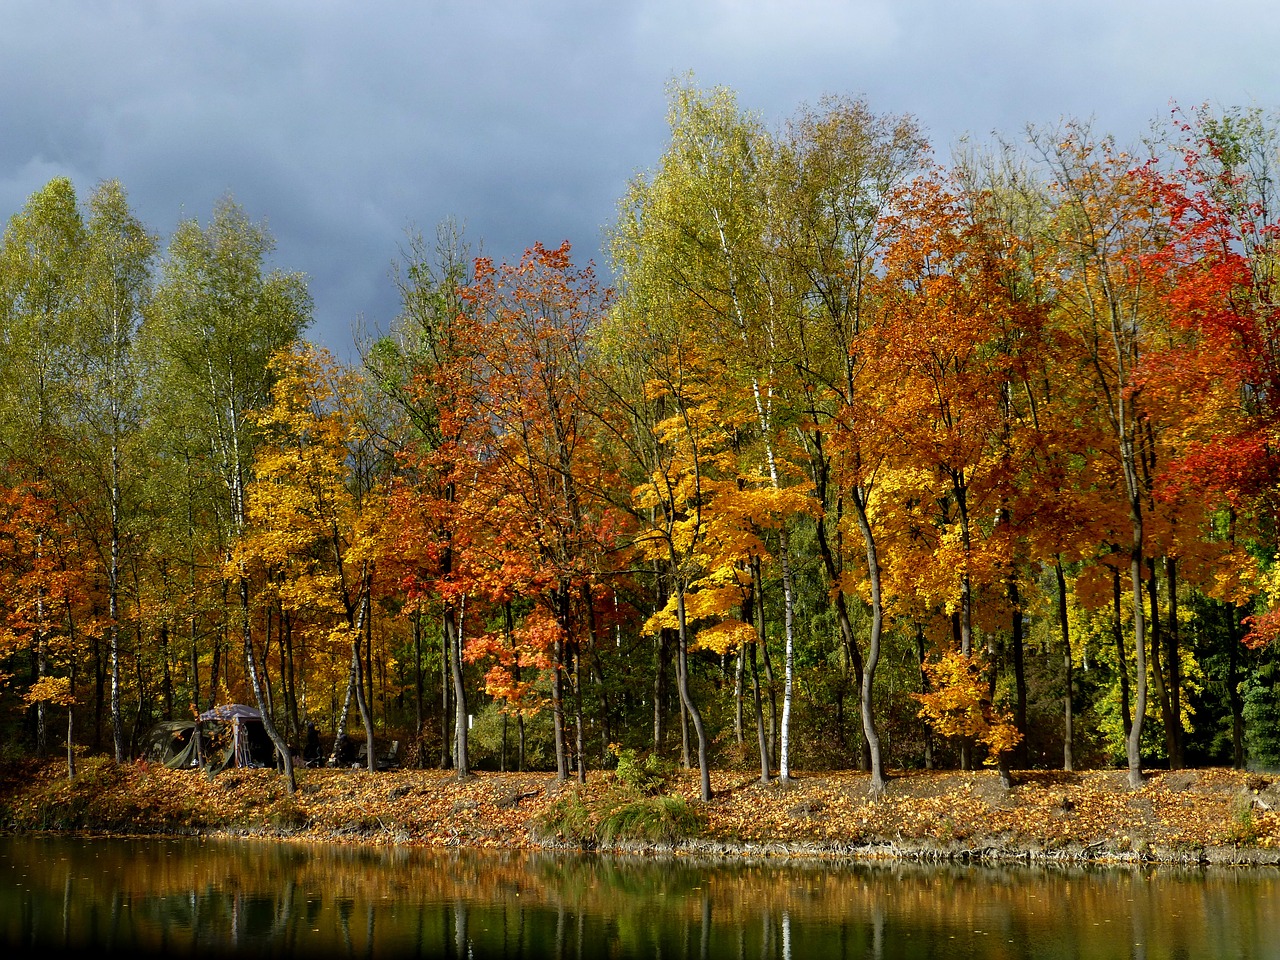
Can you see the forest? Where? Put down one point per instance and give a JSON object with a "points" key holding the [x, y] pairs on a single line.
{"points": [[858, 460]]}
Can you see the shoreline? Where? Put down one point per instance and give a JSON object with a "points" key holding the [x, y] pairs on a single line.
{"points": [[1185, 818]]}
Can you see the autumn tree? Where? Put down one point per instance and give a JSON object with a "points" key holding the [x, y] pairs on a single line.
{"points": [[308, 523], [42, 261], [46, 580], [219, 317], [696, 241], [832, 181], [428, 367], [107, 398], [1105, 222], [656, 412], [537, 480]]}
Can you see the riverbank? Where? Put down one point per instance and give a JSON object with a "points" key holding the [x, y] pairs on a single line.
{"points": [[1187, 816]]}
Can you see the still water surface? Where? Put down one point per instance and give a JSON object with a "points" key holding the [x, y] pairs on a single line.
{"points": [[199, 898]]}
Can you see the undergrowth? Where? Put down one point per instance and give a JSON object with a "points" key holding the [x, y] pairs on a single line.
{"points": [[633, 807]]}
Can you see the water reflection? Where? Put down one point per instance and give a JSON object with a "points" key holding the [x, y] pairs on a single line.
{"points": [[183, 898]]}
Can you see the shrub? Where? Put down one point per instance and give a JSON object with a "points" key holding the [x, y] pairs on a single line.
{"points": [[633, 807], [648, 776], [658, 819]]}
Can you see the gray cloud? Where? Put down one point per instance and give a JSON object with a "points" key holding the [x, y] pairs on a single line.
{"points": [[342, 125]]}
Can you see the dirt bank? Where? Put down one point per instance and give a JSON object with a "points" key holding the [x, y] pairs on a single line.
{"points": [[1193, 816]]}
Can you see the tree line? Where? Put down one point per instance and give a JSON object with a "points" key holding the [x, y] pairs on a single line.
{"points": [[864, 460]]}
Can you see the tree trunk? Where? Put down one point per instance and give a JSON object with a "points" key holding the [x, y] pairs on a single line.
{"points": [[739, 684], [682, 661], [1233, 686], [1117, 630], [756, 619], [873, 647], [579, 739], [362, 704], [340, 729], [1064, 628], [1019, 675], [453, 630], [1173, 659], [446, 695], [251, 667], [370, 696], [113, 644], [757, 580], [1134, 746], [789, 655], [71, 701], [289, 676], [853, 656], [766, 765], [1157, 668], [929, 762], [419, 714], [662, 646], [557, 709]]}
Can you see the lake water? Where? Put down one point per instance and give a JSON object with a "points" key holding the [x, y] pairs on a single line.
{"points": [[190, 898]]}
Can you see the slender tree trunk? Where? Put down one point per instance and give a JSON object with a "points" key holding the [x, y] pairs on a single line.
{"points": [[789, 655], [113, 607], [869, 729], [42, 670], [579, 745], [1173, 658], [453, 629], [757, 579], [266, 662], [195, 664], [1117, 630], [762, 742], [41, 643], [446, 695], [929, 762], [557, 710], [662, 644], [1140, 656], [419, 714], [1157, 668], [739, 682], [1233, 685], [1064, 628], [515, 673], [362, 703], [370, 697], [289, 676], [113, 644], [686, 755], [853, 656], [756, 618], [695, 717], [99, 690], [340, 731], [1019, 674], [71, 701], [251, 667]]}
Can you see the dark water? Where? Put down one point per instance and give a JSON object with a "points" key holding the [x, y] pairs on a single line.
{"points": [[191, 898]]}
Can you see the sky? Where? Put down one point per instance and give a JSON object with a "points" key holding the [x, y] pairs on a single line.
{"points": [[348, 126]]}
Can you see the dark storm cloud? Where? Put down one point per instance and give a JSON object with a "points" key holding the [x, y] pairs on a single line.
{"points": [[343, 124]]}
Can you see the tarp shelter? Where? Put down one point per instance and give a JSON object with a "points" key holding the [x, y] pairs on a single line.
{"points": [[228, 736]]}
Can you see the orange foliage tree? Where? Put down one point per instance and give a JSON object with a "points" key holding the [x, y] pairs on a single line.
{"points": [[533, 500]]}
